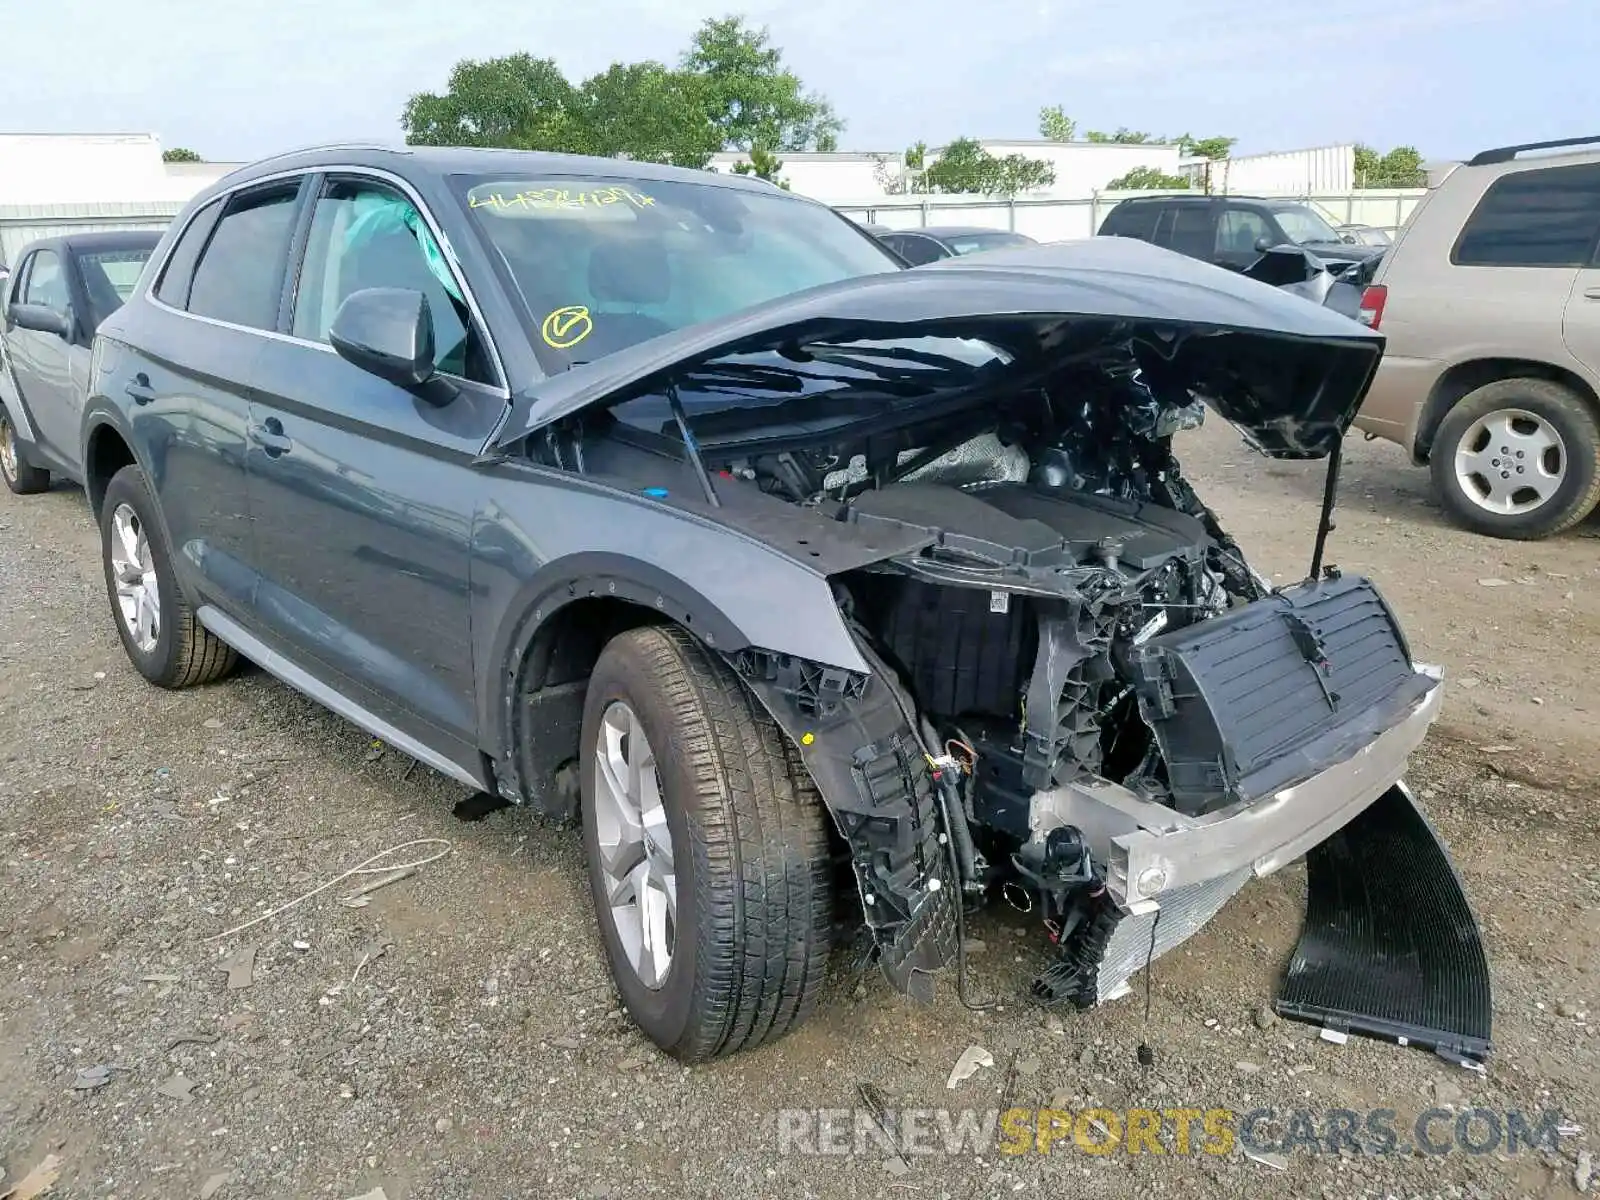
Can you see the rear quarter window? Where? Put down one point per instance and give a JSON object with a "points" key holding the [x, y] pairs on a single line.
{"points": [[1547, 217], [1133, 220]]}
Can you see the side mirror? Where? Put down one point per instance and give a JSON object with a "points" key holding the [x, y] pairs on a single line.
{"points": [[1349, 239], [388, 332], [1264, 243], [42, 319]]}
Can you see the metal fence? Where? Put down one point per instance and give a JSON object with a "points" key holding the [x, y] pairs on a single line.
{"points": [[23, 223], [1053, 219]]}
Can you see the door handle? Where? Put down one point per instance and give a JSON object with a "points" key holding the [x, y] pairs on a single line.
{"points": [[1591, 293], [270, 437], [140, 389]]}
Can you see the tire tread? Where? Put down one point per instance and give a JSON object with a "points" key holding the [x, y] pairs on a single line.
{"points": [[762, 876]]}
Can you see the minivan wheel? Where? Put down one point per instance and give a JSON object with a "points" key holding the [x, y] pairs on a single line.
{"points": [[1518, 458], [158, 628], [21, 476], [707, 849]]}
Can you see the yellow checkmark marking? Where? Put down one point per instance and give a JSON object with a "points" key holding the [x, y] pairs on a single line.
{"points": [[566, 327]]}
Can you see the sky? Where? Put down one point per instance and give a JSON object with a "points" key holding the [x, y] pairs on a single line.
{"points": [[240, 79]]}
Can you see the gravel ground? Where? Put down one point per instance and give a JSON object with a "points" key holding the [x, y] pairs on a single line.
{"points": [[456, 1035]]}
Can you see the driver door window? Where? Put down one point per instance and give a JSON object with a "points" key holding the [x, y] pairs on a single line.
{"points": [[366, 235], [1237, 234], [47, 283]]}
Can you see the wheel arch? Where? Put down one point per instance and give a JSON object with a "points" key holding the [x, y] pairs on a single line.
{"points": [[107, 448], [543, 652], [1464, 378]]}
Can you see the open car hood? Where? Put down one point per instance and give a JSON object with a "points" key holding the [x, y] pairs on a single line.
{"points": [[1288, 373]]}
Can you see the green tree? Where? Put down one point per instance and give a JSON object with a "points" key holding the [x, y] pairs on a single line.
{"points": [[644, 111], [1147, 179], [1213, 148], [1400, 168], [1122, 137], [763, 164], [1055, 125], [519, 102], [752, 98], [180, 154], [965, 166]]}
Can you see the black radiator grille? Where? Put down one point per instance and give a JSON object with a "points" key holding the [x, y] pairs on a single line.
{"points": [[1230, 697]]}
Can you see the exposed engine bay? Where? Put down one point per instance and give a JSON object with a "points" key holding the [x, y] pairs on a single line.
{"points": [[1047, 674], [1081, 664]]}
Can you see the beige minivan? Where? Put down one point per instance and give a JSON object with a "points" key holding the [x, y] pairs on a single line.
{"points": [[1490, 300]]}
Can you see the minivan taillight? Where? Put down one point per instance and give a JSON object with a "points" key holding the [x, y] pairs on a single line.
{"points": [[1373, 298]]}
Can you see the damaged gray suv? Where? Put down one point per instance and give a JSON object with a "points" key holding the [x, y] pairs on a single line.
{"points": [[671, 503]]}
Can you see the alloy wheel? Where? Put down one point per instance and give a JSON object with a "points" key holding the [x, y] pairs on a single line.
{"points": [[641, 884], [138, 597]]}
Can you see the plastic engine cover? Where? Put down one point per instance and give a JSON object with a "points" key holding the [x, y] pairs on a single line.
{"points": [[1266, 695]]}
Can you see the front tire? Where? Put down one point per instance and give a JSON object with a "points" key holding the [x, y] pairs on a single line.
{"points": [[21, 476], [157, 626], [1518, 458], [707, 848]]}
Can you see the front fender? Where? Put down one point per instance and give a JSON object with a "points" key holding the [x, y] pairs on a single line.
{"points": [[544, 540]]}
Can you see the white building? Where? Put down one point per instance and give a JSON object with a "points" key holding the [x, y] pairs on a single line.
{"points": [[1081, 168], [52, 184], [821, 175], [1320, 171]]}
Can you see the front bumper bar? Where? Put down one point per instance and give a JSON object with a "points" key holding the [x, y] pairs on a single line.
{"points": [[1149, 849]]}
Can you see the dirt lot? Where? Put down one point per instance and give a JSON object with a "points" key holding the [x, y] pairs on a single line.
{"points": [[457, 1037]]}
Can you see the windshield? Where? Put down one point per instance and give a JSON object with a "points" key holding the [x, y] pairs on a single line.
{"points": [[1303, 225], [602, 264], [118, 268], [972, 243], [109, 276]]}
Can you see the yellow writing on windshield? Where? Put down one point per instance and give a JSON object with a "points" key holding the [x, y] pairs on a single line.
{"points": [[553, 198], [566, 327]]}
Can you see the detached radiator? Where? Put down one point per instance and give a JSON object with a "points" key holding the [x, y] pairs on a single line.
{"points": [[1271, 693]]}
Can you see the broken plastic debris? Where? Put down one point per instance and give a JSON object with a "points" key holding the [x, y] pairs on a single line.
{"points": [[178, 1087], [1493, 583], [90, 1078], [1276, 1161], [972, 1058], [240, 966], [376, 1193], [214, 1184], [300, 945], [1337, 1036]]}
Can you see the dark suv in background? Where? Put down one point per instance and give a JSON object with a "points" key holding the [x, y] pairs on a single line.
{"points": [[1233, 231]]}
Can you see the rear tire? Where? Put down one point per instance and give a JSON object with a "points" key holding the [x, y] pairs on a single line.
{"points": [[21, 476], [164, 639], [745, 848], [1526, 493]]}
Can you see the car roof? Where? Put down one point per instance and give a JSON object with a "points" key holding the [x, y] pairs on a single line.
{"points": [[950, 231], [1201, 198], [452, 160], [107, 239]]}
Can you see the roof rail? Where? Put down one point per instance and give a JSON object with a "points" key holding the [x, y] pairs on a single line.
{"points": [[1507, 153]]}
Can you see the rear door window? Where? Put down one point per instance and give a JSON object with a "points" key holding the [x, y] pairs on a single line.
{"points": [[917, 250], [1547, 217], [239, 278], [173, 289], [1191, 230]]}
